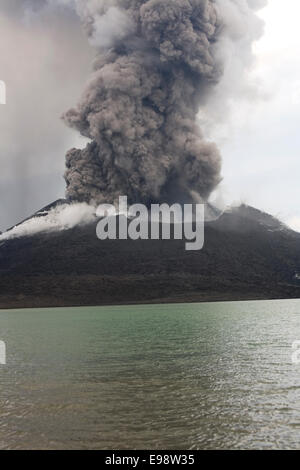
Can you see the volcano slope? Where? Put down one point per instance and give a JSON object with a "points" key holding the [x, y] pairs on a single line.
{"points": [[247, 255]]}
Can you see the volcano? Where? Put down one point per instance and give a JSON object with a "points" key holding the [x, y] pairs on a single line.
{"points": [[247, 255]]}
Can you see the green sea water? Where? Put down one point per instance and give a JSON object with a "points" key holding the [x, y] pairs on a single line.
{"points": [[185, 376]]}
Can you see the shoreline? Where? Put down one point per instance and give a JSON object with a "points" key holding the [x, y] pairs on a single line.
{"points": [[164, 301]]}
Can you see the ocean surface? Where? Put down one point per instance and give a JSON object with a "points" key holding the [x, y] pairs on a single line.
{"points": [[185, 376]]}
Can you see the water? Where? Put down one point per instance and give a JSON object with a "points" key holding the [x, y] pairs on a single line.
{"points": [[200, 376]]}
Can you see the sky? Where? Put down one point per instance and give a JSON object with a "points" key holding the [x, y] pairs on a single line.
{"points": [[45, 63], [260, 142]]}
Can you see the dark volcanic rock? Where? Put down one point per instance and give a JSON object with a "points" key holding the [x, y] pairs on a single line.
{"points": [[247, 255]]}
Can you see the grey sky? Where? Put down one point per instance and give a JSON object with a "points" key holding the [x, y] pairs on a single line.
{"points": [[44, 62], [258, 138]]}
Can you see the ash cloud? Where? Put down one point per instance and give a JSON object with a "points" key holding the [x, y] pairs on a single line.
{"points": [[157, 62]]}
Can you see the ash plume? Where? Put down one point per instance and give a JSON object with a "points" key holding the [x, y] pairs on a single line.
{"points": [[156, 62]]}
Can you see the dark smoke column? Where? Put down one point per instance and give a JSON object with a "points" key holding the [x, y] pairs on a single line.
{"points": [[139, 108]]}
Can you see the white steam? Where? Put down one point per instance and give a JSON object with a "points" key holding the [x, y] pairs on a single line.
{"points": [[111, 27], [60, 218]]}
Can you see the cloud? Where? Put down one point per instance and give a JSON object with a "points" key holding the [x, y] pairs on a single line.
{"points": [[140, 106], [294, 223]]}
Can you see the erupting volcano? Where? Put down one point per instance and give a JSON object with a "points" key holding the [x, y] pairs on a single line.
{"points": [[158, 62]]}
